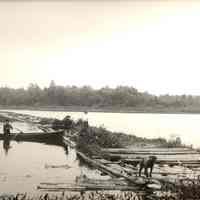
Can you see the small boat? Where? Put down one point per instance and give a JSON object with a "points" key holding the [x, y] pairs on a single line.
{"points": [[31, 136]]}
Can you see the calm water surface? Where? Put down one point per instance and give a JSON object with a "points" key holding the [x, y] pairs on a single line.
{"points": [[187, 126], [24, 165]]}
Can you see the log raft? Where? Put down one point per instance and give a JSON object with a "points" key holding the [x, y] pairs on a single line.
{"points": [[170, 156]]}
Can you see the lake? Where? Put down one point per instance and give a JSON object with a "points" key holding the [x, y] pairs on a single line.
{"points": [[186, 126]]}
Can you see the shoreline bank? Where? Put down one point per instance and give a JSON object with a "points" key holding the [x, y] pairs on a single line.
{"points": [[100, 110]]}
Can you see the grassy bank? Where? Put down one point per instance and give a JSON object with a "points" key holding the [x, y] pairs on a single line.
{"points": [[91, 141]]}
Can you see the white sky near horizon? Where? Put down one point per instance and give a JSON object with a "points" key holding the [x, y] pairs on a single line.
{"points": [[151, 45]]}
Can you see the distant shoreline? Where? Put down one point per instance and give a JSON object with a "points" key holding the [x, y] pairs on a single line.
{"points": [[103, 110]]}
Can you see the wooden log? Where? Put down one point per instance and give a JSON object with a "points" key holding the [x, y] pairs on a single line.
{"points": [[186, 158], [113, 181], [106, 169], [168, 162], [97, 165], [89, 188], [191, 165], [114, 150], [160, 160], [152, 152], [136, 181], [160, 172]]}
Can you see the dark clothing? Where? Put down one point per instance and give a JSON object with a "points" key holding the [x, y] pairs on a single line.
{"points": [[85, 126], [68, 124], [6, 129], [6, 144], [57, 124]]}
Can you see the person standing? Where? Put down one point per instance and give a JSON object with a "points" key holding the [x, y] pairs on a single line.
{"points": [[68, 123], [85, 120], [7, 127]]}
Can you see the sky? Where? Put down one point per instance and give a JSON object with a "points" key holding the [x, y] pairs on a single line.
{"points": [[152, 45]]}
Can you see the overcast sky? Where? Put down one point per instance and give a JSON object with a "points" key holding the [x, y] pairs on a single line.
{"points": [[151, 45]]}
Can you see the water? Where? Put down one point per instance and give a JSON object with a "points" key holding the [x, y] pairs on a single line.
{"points": [[24, 165], [187, 126]]}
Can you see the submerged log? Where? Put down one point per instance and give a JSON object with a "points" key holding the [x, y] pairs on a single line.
{"points": [[57, 166], [89, 188], [87, 181]]}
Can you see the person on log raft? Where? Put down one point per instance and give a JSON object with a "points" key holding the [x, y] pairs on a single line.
{"points": [[85, 124], [68, 123], [147, 163], [7, 127]]}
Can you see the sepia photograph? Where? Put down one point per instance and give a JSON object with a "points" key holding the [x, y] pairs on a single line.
{"points": [[99, 100]]}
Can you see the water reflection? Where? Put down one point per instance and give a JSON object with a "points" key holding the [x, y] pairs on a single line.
{"points": [[6, 145]]}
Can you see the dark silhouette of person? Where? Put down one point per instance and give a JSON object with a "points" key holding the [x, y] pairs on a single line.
{"points": [[7, 127]]}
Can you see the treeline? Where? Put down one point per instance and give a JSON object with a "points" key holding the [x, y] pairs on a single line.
{"points": [[120, 97]]}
